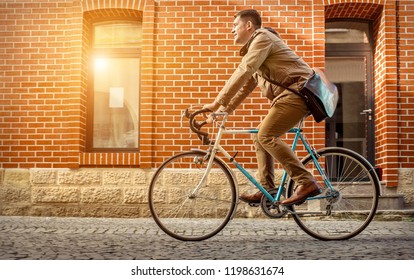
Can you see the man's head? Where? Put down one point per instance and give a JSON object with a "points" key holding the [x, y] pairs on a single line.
{"points": [[245, 23]]}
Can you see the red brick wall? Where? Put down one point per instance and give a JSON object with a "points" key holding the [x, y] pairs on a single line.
{"points": [[188, 54], [386, 92], [194, 57], [406, 84], [43, 104], [36, 126]]}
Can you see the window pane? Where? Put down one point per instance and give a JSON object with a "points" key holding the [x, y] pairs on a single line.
{"points": [[349, 74], [117, 35], [346, 32], [116, 94]]}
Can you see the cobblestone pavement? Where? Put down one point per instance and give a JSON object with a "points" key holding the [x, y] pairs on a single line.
{"points": [[35, 238]]}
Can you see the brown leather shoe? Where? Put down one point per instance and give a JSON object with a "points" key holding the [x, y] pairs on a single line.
{"points": [[251, 198], [302, 193]]}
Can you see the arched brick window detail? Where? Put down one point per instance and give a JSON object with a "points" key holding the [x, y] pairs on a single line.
{"points": [[113, 80], [121, 155]]}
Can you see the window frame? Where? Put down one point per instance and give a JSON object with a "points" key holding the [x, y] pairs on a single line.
{"points": [[354, 46]]}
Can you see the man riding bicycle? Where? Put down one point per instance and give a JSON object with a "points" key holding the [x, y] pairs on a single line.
{"points": [[267, 57]]}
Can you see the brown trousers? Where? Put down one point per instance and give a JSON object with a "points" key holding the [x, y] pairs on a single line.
{"points": [[284, 114]]}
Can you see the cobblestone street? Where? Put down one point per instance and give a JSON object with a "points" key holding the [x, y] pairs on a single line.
{"points": [[40, 238]]}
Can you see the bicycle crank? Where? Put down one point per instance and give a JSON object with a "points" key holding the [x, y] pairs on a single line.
{"points": [[272, 210]]}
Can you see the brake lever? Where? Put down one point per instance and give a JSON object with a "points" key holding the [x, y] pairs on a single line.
{"points": [[187, 113]]}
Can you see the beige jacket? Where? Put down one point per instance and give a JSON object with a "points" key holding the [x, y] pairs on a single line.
{"points": [[264, 55]]}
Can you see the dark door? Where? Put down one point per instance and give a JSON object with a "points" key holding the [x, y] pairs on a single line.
{"points": [[349, 66]]}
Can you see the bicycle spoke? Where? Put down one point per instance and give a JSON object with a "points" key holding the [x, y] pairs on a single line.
{"points": [[187, 202], [347, 209]]}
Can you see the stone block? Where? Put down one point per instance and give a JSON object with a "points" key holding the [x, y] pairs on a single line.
{"points": [[55, 195], [121, 212], [406, 177], [43, 176], [140, 177], [391, 202], [175, 178], [16, 178], [79, 177], [135, 195], [117, 177], [48, 210], [145, 211], [101, 195], [15, 195], [241, 179], [160, 195], [408, 195], [15, 210], [406, 185], [215, 178]]}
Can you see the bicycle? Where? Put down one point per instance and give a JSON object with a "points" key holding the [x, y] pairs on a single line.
{"points": [[194, 194]]}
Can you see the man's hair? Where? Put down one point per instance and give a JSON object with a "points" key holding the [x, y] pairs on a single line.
{"points": [[250, 15]]}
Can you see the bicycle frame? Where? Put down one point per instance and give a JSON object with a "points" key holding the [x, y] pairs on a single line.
{"points": [[297, 135]]}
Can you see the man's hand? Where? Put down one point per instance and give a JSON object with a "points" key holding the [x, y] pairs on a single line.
{"points": [[213, 107]]}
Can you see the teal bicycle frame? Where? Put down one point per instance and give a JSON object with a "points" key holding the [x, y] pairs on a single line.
{"points": [[297, 135]]}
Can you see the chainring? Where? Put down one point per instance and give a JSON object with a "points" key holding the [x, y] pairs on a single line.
{"points": [[272, 210]]}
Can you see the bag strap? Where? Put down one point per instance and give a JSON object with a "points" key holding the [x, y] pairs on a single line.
{"points": [[283, 86]]}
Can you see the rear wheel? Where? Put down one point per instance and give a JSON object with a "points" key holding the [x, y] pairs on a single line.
{"points": [[347, 209], [184, 205]]}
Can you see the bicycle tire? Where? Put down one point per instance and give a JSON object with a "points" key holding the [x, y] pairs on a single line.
{"points": [[347, 212], [185, 215]]}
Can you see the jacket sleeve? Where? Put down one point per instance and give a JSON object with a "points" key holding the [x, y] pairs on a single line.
{"points": [[242, 82], [245, 91]]}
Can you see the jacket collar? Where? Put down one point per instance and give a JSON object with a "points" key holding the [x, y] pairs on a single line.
{"points": [[245, 48]]}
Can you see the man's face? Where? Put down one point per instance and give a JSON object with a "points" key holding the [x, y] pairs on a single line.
{"points": [[241, 31]]}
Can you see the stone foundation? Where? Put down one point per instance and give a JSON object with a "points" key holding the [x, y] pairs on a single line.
{"points": [[83, 193], [105, 192]]}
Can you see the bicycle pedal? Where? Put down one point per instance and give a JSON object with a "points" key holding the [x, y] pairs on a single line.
{"points": [[254, 204]]}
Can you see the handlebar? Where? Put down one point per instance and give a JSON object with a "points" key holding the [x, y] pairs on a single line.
{"points": [[196, 126]]}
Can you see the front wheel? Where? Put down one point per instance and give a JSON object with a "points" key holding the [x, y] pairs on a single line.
{"points": [[187, 205], [345, 210]]}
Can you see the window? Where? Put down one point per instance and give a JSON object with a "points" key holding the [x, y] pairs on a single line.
{"points": [[114, 86], [346, 32]]}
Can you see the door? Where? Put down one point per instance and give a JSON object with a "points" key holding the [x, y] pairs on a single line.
{"points": [[349, 67]]}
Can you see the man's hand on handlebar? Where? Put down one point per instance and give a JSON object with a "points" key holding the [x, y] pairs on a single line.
{"points": [[213, 107], [197, 125]]}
